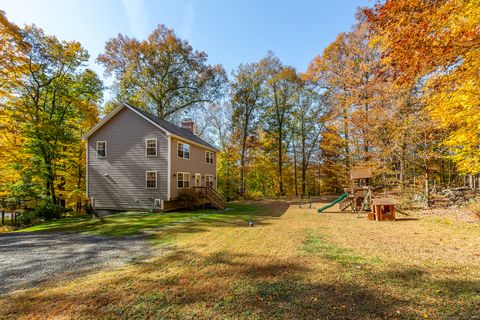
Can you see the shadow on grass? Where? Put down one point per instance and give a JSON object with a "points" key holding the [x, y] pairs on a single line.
{"points": [[190, 284], [204, 286], [187, 284], [406, 219], [31, 257], [132, 222]]}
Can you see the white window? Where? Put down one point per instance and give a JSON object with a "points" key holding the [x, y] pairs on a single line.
{"points": [[151, 147], [209, 157], [183, 180], [209, 180], [151, 179], [101, 149], [183, 150]]}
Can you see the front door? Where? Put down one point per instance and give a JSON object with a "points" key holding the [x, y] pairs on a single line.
{"points": [[198, 179]]}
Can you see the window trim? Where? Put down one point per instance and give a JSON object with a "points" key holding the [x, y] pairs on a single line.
{"points": [[146, 179], [96, 150], [183, 179], [146, 147], [189, 150], [213, 157], [206, 183]]}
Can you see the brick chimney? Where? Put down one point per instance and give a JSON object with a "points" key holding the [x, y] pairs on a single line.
{"points": [[188, 124]]}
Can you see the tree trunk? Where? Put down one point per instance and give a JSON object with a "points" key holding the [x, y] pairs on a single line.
{"points": [[427, 187], [50, 186], [280, 162], [80, 177], [319, 181], [304, 180], [366, 145], [242, 166], [49, 176], [347, 137], [227, 182], [295, 167], [449, 173], [402, 175], [402, 167], [304, 164]]}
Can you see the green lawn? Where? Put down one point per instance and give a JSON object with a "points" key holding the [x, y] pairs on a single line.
{"points": [[294, 264], [130, 223]]}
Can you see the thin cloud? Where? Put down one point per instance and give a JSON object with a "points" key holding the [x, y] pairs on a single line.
{"points": [[137, 17], [188, 20]]}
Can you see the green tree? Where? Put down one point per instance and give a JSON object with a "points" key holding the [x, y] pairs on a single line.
{"points": [[50, 98], [247, 97], [281, 84], [308, 124]]}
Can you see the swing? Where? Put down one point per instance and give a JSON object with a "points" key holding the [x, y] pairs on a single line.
{"points": [[306, 199]]}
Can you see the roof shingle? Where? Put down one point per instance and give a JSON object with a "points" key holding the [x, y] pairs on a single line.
{"points": [[174, 129]]}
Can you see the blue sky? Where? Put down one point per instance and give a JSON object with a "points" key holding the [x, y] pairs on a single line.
{"points": [[231, 32]]}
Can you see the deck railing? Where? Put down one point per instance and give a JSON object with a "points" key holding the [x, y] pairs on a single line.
{"points": [[212, 195]]}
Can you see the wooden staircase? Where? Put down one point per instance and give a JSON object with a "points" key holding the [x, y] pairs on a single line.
{"points": [[212, 195]]}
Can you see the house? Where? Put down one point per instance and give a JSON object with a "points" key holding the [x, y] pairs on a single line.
{"points": [[136, 161]]}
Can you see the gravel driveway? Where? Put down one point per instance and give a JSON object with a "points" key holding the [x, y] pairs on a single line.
{"points": [[28, 258]]}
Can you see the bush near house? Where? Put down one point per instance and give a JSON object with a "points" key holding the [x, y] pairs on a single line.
{"points": [[44, 212], [189, 198], [49, 211]]}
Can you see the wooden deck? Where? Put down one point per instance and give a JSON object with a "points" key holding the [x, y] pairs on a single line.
{"points": [[207, 196]]}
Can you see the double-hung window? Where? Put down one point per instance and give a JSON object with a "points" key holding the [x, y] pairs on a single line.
{"points": [[101, 149], [183, 150], [209, 180], [183, 180], [151, 179], [209, 157], [151, 147]]}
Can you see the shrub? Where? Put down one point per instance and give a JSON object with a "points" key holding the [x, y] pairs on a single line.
{"points": [[26, 218], [49, 211], [89, 209], [255, 195], [188, 198]]}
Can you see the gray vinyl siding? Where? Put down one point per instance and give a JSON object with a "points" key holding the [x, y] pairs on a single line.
{"points": [[118, 181]]}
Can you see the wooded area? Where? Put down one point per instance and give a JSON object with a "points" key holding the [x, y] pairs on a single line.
{"points": [[398, 93]]}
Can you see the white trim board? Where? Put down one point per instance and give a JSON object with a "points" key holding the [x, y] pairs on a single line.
{"points": [[169, 169], [86, 168]]}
